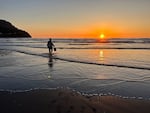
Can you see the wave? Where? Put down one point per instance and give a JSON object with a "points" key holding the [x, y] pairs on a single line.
{"points": [[78, 61], [84, 40], [100, 64], [100, 48], [122, 48], [84, 93]]}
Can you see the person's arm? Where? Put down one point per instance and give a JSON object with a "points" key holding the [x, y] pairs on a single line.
{"points": [[53, 44]]}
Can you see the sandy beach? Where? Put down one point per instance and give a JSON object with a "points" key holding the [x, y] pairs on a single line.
{"points": [[67, 101], [56, 81]]}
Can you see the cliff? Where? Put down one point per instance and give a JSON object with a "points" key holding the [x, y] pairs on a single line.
{"points": [[10, 31]]}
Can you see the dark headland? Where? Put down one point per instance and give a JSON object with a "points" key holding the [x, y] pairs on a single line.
{"points": [[10, 31]]}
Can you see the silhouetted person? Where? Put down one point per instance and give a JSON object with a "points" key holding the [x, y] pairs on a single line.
{"points": [[50, 45]]}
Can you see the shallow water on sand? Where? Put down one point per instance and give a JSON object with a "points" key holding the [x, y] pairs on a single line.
{"points": [[85, 67]]}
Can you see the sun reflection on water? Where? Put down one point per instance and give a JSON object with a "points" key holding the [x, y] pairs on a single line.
{"points": [[101, 55]]}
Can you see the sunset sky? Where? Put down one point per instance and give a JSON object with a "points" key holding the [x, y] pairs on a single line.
{"points": [[79, 18]]}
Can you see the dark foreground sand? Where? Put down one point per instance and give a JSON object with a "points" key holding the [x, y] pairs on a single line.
{"points": [[66, 101]]}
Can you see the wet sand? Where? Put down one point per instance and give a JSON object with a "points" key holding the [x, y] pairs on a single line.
{"points": [[67, 101]]}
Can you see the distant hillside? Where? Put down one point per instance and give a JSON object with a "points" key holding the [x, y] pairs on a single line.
{"points": [[8, 30]]}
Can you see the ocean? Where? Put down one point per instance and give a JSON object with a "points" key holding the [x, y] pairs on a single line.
{"points": [[118, 67]]}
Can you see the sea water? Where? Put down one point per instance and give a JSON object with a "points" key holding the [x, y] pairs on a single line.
{"points": [[116, 66]]}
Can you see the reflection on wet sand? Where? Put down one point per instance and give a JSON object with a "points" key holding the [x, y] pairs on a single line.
{"points": [[101, 55], [50, 62]]}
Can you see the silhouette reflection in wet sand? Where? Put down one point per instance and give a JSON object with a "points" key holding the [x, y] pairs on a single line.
{"points": [[50, 62]]}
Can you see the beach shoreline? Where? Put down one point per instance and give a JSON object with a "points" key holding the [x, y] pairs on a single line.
{"points": [[67, 101], [71, 82]]}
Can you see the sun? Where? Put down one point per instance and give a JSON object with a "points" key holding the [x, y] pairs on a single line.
{"points": [[102, 36]]}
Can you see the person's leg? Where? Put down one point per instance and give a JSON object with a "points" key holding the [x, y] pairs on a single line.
{"points": [[49, 50]]}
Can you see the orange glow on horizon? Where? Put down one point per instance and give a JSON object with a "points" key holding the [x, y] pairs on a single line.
{"points": [[88, 32]]}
